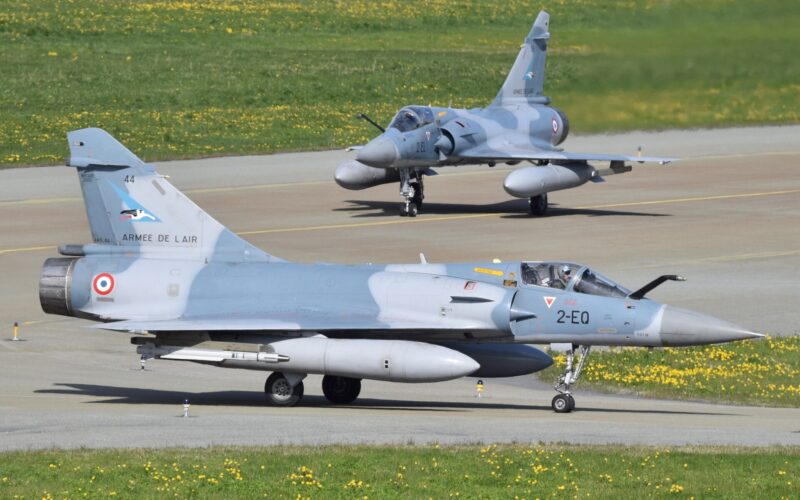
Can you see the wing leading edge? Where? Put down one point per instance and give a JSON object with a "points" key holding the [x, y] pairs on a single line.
{"points": [[507, 153], [300, 325]]}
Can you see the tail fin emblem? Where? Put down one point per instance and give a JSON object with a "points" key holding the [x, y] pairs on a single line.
{"points": [[135, 211], [136, 214]]}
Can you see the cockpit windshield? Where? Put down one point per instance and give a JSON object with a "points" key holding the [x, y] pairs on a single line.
{"points": [[562, 275], [548, 274], [412, 117], [595, 284]]}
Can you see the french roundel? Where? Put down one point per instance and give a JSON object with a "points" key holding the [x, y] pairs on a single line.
{"points": [[555, 126], [103, 284]]}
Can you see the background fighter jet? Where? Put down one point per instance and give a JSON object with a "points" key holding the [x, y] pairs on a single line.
{"points": [[519, 125], [205, 295]]}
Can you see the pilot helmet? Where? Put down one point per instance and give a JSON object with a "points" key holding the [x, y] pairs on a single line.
{"points": [[565, 270]]}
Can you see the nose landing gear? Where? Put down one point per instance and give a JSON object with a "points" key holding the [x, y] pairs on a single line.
{"points": [[563, 402], [412, 190]]}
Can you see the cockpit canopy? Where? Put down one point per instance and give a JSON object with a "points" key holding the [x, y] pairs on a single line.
{"points": [[566, 275], [411, 118]]}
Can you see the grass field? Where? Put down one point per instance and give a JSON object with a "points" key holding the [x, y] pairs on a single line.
{"points": [[178, 79], [402, 472], [765, 372]]}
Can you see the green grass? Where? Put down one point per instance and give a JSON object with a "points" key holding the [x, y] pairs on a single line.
{"points": [[177, 79], [765, 372], [399, 472]]}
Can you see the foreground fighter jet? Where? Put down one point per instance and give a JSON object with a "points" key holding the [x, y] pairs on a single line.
{"points": [[519, 125], [161, 265]]}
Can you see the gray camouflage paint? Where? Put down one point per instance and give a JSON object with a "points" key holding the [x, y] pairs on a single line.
{"points": [[519, 125], [175, 268]]}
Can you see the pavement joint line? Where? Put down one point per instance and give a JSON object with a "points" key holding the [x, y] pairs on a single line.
{"points": [[226, 189], [724, 258]]}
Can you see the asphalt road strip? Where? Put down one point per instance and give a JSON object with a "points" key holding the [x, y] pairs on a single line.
{"points": [[423, 219], [253, 187]]}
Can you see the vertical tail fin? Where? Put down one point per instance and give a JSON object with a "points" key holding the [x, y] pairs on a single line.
{"points": [[130, 205], [525, 81]]}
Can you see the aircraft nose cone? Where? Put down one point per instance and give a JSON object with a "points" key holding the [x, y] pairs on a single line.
{"points": [[379, 152], [681, 327]]}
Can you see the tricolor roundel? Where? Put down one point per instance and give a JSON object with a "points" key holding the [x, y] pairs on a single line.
{"points": [[103, 284]]}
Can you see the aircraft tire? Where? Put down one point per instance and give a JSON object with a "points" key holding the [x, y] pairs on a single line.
{"points": [[561, 403], [571, 402], [418, 196], [279, 392], [410, 211], [538, 204], [340, 390]]}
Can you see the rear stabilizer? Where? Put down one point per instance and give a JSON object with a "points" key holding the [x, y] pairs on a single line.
{"points": [[525, 81], [129, 205]]}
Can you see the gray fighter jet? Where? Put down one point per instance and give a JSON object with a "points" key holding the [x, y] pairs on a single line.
{"points": [[518, 126], [160, 265]]}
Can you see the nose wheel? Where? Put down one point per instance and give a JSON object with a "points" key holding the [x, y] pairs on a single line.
{"points": [[563, 402]]}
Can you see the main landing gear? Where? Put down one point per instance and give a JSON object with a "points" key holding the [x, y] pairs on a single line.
{"points": [[412, 190], [287, 389], [284, 390], [341, 390], [563, 402], [538, 204]]}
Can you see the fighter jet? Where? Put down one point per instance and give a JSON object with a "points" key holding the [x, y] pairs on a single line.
{"points": [[205, 295], [518, 126]]}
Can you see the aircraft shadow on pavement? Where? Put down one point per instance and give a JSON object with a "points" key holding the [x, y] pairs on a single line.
{"points": [[138, 395], [509, 209]]}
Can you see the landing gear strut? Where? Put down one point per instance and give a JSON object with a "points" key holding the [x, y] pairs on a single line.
{"points": [[340, 390], [538, 204], [284, 390], [412, 190], [563, 402]]}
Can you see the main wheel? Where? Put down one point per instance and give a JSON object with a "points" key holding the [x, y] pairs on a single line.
{"points": [[279, 392], [538, 204], [571, 402], [341, 390], [418, 195], [561, 403]]}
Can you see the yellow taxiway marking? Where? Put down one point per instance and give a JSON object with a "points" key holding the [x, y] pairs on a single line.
{"points": [[227, 189], [463, 217], [692, 199], [496, 214], [26, 249], [224, 189]]}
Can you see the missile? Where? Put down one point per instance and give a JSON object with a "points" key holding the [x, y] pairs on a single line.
{"points": [[355, 175], [388, 360], [533, 181]]}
